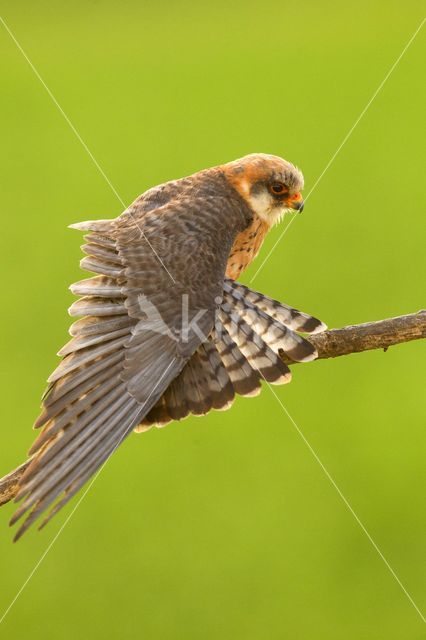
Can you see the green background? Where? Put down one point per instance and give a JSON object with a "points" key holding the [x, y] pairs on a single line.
{"points": [[225, 527]]}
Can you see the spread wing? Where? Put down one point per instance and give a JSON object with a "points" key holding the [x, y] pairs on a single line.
{"points": [[157, 271]]}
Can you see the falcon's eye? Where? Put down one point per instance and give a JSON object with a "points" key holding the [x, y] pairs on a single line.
{"points": [[277, 188]]}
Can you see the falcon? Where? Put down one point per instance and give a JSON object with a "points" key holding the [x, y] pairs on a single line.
{"points": [[164, 328]]}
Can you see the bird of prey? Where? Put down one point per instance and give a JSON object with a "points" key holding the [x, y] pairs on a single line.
{"points": [[165, 330]]}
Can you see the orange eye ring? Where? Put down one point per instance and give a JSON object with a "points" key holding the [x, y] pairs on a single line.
{"points": [[277, 188]]}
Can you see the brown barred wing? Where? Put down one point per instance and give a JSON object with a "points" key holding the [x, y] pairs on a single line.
{"points": [[251, 332], [87, 410], [117, 366]]}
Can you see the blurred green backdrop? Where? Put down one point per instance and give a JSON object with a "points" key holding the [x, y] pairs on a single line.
{"points": [[225, 527]]}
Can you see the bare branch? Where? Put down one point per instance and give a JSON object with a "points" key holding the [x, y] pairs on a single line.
{"points": [[9, 484], [370, 335], [329, 344]]}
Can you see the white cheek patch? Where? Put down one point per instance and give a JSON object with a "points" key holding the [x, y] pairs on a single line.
{"points": [[261, 204], [266, 208]]}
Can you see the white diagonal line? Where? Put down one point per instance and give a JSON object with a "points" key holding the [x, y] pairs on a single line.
{"points": [[84, 145], [379, 88], [344, 141], [283, 232], [78, 503], [333, 482]]}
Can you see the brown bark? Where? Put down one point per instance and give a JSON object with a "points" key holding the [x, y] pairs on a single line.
{"points": [[329, 344], [370, 335], [9, 484]]}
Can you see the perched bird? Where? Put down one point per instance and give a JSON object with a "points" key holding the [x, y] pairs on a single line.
{"points": [[165, 330]]}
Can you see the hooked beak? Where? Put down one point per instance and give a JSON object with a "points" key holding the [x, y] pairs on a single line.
{"points": [[296, 202]]}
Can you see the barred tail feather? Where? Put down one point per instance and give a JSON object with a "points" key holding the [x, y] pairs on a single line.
{"points": [[245, 379], [275, 334], [288, 316], [259, 355]]}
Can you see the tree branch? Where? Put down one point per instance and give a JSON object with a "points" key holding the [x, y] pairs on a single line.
{"points": [[329, 344], [370, 335], [9, 484]]}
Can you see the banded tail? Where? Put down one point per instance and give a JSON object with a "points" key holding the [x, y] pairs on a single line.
{"points": [[243, 349]]}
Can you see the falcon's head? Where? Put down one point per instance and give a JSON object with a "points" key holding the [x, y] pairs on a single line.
{"points": [[269, 184]]}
